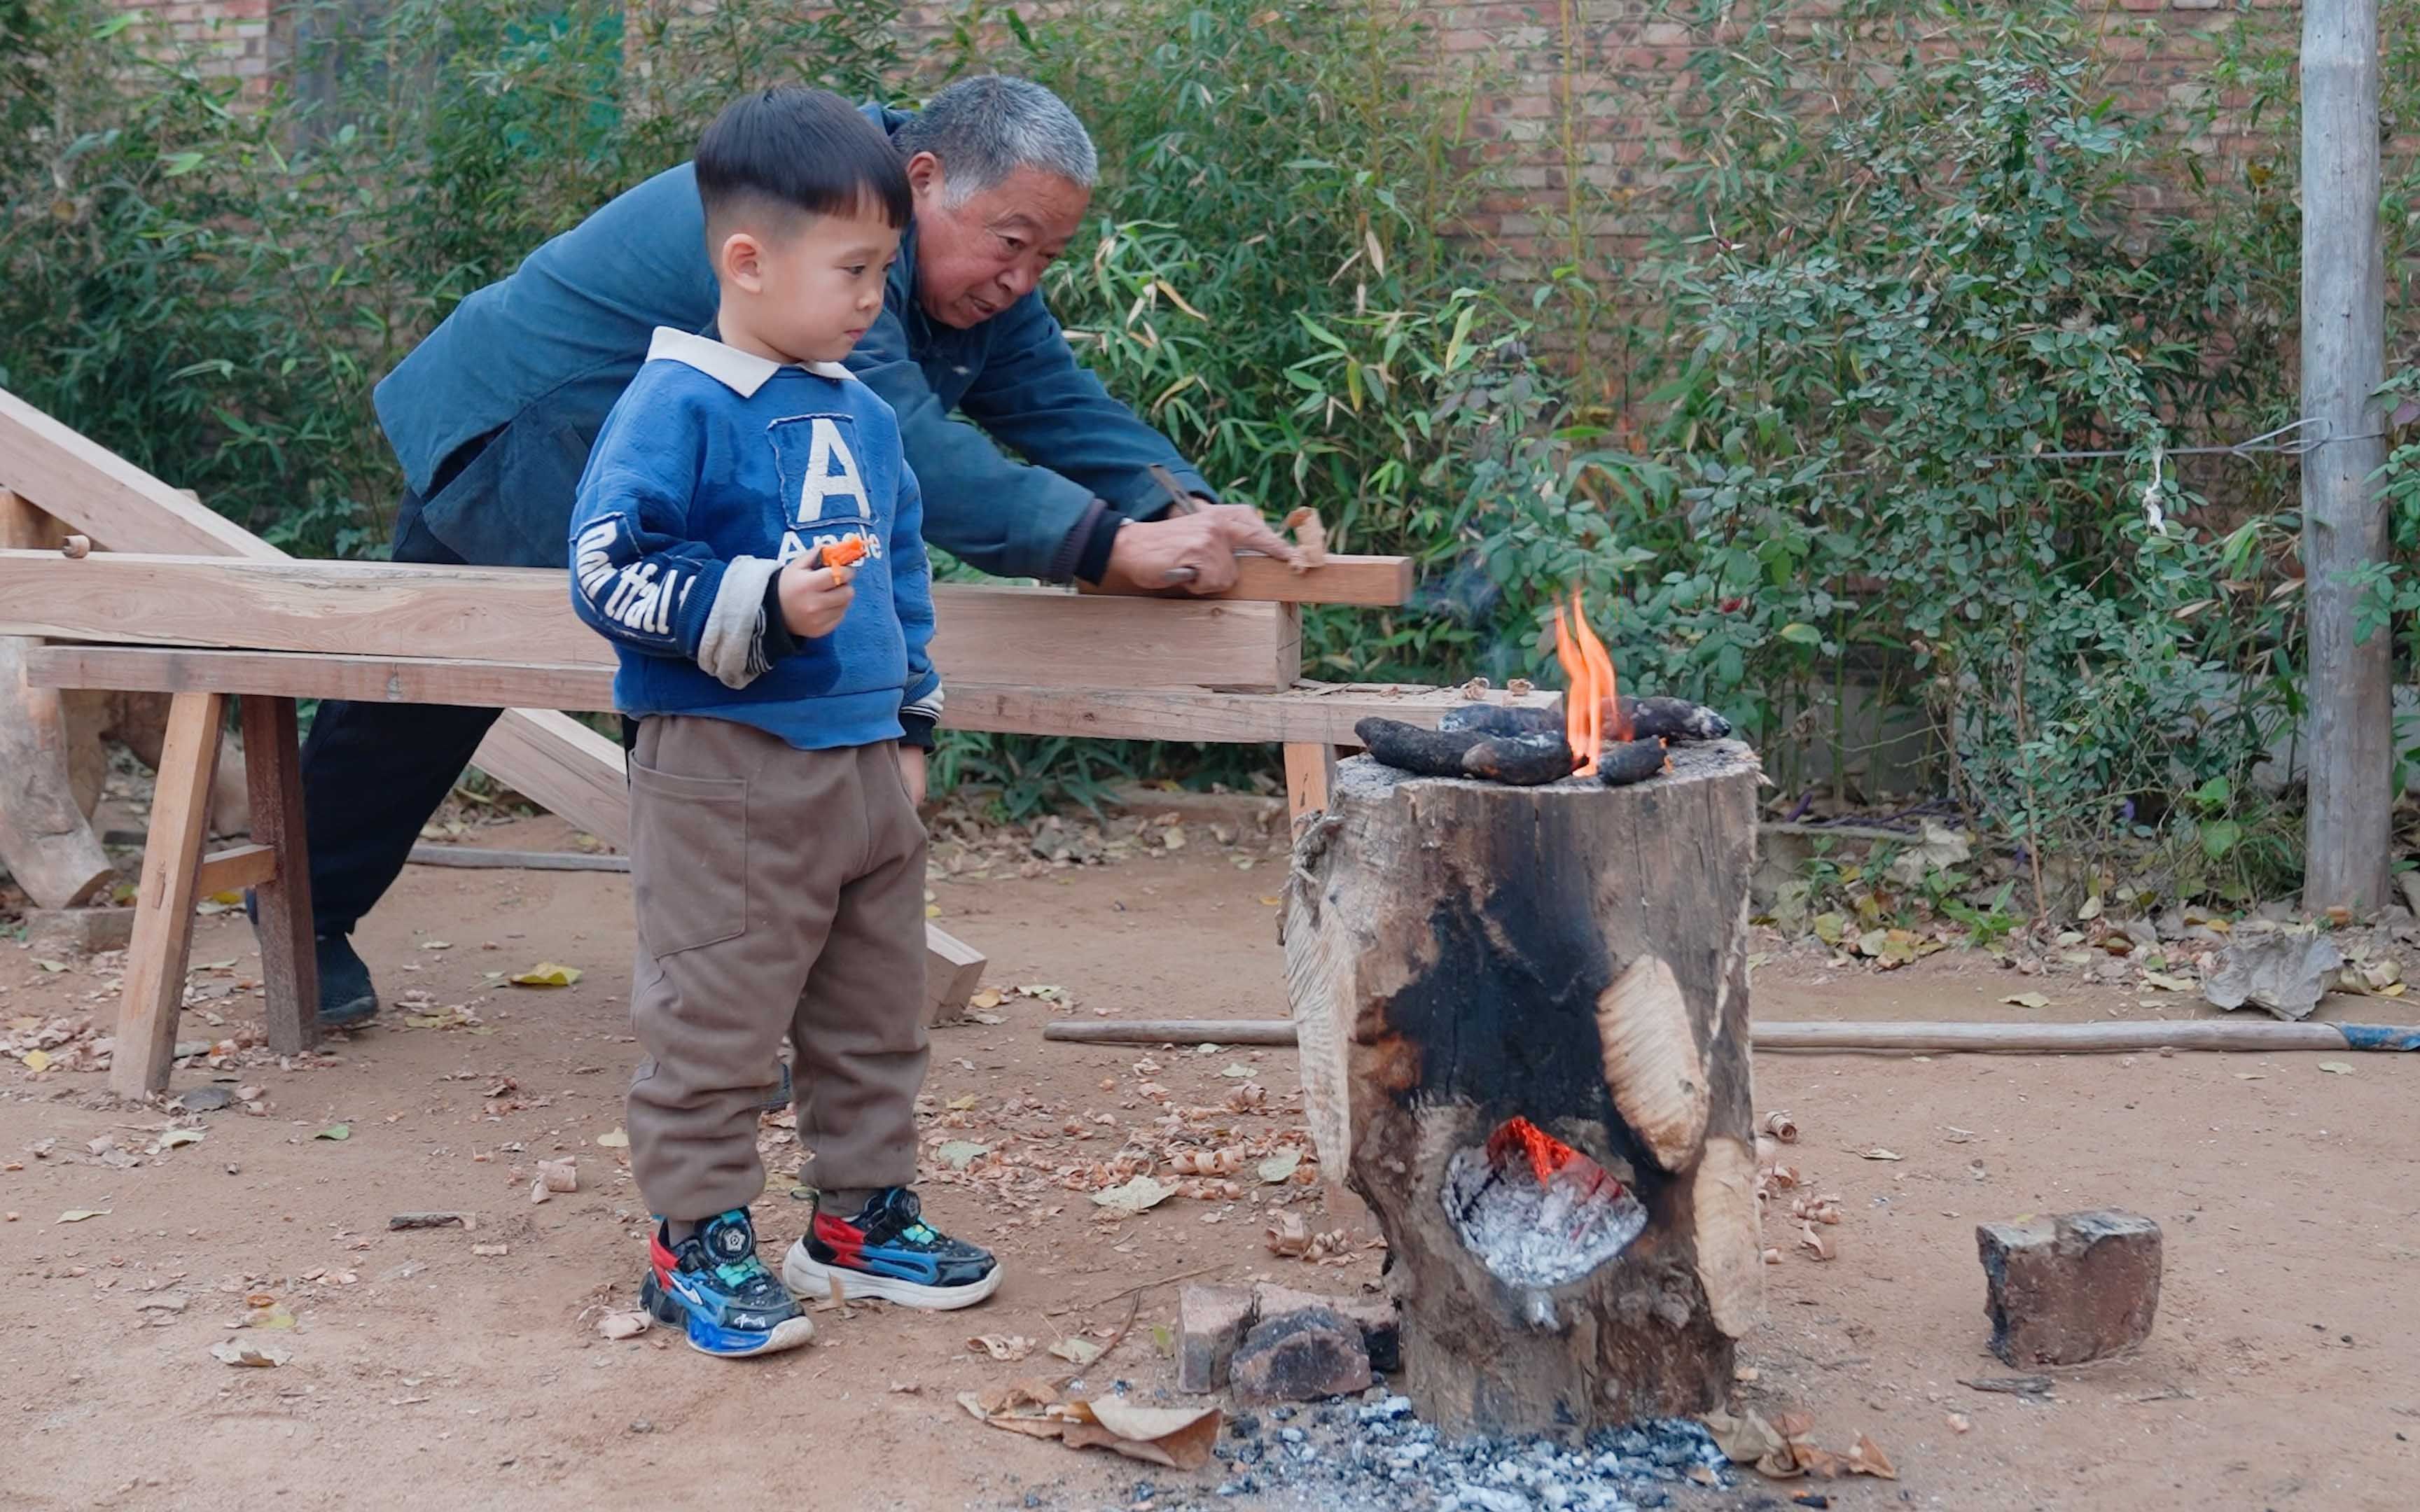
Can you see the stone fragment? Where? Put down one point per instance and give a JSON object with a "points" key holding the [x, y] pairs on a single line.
{"points": [[1210, 1322], [78, 932], [2072, 1288], [1302, 1356], [1381, 1326]]}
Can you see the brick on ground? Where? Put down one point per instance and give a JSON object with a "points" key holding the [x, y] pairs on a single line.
{"points": [[1301, 1356], [1381, 1327], [1210, 1322], [2072, 1288]]}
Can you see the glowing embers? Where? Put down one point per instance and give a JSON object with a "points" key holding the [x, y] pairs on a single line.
{"points": [[1536, 1212]]}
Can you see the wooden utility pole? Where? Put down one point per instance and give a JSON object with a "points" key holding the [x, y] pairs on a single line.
{"points": [[2344, 521]]}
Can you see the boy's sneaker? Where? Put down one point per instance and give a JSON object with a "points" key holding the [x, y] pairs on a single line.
{"points": [[889, 1250], [713, 1285]]}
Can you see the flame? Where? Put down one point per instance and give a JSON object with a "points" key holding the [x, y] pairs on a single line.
{"points": [[1592, 706]]}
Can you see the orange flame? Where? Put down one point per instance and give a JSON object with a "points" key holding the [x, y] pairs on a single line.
{"points": [[1547, 1156], [1592, 706]]}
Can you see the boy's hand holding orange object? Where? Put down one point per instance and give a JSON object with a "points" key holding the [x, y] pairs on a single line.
{"points": [[813, 599]]}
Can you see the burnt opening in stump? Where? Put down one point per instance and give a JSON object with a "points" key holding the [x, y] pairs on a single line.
{"points": [[1535, 1210]]}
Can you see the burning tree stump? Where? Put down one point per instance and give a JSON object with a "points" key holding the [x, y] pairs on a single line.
{"points": [[1523, 1023]]}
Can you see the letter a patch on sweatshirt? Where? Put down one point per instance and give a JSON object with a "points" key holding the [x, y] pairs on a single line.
{"points": [[816, 459]]}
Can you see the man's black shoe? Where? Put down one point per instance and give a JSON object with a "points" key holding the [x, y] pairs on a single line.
{"points": [[347, 999]]}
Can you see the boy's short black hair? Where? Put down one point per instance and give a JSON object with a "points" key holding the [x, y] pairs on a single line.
{"points": [[803, 149]]}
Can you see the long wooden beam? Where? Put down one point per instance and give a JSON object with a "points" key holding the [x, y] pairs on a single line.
{"points": [[1307, 713], [2038, 1039], [991, 634]]}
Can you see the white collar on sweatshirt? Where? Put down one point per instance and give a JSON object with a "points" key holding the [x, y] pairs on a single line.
{"points": [[742, 373]]}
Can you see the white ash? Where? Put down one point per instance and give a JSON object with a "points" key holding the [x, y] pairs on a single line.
{"points": [[1370, 1454], [1537, 1236]]}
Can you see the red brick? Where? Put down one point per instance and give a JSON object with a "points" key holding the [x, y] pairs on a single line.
{"points": [[2073, 1288], [1210, 1322]]}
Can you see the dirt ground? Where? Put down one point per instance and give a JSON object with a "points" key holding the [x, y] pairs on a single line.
{"points": [[2283, 1373]]}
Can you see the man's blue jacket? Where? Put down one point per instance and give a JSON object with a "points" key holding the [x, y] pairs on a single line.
{"points": [[506, 396]]}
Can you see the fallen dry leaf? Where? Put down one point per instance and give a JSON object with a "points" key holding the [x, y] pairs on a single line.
{"points": [[2026, 1000], [1079, 1352], [1135, 1196], [1180, 1438], [1867, 1459], [1281, 1167], [77, 1215], [489, 1250], [338, 1132], [2336, 1068], [957, 1154], [614, 1139], [1744, 1437], [1878, 1152], [624, 1326], [1004, 1347], [546, 974], [36, 1059]]}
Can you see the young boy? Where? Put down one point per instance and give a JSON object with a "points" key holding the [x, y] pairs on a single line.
{"points": [[783, 706]]}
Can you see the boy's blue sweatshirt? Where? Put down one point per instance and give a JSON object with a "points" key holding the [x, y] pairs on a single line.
{"points": [[714, 468]]}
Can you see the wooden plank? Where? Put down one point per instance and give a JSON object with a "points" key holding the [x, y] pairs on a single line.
{"points": [[565, 767], [986, 635], [45, 840], [480, 858], [235, 868], [1370, 582], [289, 963], [104, 496], [953, 970], [1310, 770], [1312, 713], [302, 674], [2351, 829], [164, 905]]}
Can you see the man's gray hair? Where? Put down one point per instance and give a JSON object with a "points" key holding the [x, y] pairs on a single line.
{"points": [[985, 129]]}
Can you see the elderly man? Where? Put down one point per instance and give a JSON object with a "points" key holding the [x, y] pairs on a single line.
{"points": [[492, 417]]}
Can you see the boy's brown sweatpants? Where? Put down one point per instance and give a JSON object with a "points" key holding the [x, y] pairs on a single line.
{"points": [[780, 892]]}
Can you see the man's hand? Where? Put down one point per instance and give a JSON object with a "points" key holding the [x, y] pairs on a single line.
{"points": [[1146, 552], [813, 598], [911, 772]]}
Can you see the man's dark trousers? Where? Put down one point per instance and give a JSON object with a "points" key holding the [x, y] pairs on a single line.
{"points": [[372, 774]]}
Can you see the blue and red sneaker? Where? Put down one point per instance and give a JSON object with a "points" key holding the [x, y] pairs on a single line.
{"points": [[889, 1250], [713, 1285]]}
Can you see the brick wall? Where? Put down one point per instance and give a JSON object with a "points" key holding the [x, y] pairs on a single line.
{"points": [[245, 39], [1579, 89], [1586, 92]]}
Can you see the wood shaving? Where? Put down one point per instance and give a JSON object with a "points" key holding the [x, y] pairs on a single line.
{"points": [[1309, 538]]}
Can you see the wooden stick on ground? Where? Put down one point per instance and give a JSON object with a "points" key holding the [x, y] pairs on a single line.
{"points": [[2040, 1038]]}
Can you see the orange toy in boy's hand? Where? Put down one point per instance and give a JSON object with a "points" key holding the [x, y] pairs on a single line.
{"points": [[847, 553]]}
